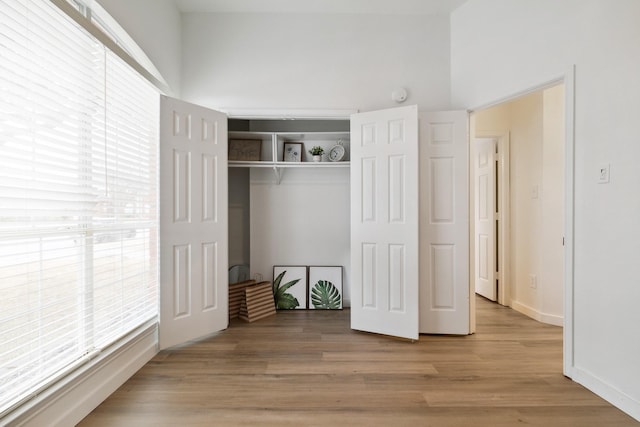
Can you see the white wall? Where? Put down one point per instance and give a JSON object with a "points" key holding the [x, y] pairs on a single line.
{"points": [[552, 205], [526, 194], [528, 43], [156, 26], [298, 61], [239, 217], [304, 220]]}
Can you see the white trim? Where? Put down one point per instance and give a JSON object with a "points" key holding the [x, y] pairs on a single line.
{"points": [[569, 216], [123, 38], [69, 401], [288, 114], [611, 394], [110, 44], [503, 177], [551, 319], [513, 97]]}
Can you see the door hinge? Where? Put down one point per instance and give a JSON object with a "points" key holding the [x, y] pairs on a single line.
{"points": [[497, 216]]}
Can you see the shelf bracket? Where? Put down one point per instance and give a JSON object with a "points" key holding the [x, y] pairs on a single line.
{"points": [[278, 172]]}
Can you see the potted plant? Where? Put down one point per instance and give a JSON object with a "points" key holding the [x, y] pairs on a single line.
{"points": [[316, 151]]}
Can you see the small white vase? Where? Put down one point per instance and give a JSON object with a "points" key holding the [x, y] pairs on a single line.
{"points": [[317, 158]]}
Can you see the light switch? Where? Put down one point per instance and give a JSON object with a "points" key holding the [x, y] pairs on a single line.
{"points": [[534, 192], [603, 173]]}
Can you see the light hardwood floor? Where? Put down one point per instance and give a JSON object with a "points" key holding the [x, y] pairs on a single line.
{"points": [[304, 368]]}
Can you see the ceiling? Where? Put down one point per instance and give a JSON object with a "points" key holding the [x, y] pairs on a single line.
{"points": [[398, 7]]}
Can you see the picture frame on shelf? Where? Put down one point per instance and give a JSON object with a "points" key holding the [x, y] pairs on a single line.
{"points": [[292, 152], [246, 150], [325, 287], [290, 287]]}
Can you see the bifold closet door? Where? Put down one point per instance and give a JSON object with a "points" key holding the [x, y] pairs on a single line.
{"points": [[193, 222], [384, 222]]}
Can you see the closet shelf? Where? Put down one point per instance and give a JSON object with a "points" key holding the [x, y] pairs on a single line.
{"points": [[271, 149], [279, 165]]}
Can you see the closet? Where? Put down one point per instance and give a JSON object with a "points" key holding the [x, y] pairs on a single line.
{"points": [[392, 210], [284, 208], [299, 213]]}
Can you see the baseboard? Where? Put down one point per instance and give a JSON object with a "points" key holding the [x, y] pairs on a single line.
{"points": [[67, 403], [612, 395], [550, 319]]}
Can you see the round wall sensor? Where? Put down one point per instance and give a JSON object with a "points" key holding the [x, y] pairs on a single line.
{"points": [[399, 95]]}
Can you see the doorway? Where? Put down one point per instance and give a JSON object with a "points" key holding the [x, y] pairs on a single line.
{"points": [[490, 165], [523, 238]]}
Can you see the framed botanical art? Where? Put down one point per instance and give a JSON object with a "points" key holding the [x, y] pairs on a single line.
{"points": [[292, 152], [325, 287], [290, 287]]}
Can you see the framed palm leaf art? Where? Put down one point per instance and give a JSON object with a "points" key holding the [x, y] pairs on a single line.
{"points": [[325, 287], [290, 287]]}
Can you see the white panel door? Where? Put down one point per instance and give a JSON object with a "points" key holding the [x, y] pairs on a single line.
{"points": [[485, 217], [444, 223], [384, 222], [193, 222]]}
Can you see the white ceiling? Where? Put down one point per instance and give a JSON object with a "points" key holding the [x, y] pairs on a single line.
{"points": [[400, 7]]}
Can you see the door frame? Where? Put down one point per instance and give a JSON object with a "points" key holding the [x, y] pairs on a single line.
{"points": [[568, 79], [504, 202]]}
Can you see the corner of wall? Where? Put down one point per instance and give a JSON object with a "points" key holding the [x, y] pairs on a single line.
{"points": [[68, 403], [535, 314], [608, 392]]}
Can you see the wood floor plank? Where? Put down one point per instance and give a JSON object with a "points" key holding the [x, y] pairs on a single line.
{"points": [[308, 368]]}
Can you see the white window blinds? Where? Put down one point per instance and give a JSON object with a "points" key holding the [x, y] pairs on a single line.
{"points": [[78, 197]]}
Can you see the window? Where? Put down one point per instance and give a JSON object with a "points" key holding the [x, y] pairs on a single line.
{"points": [[78, 198]]}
